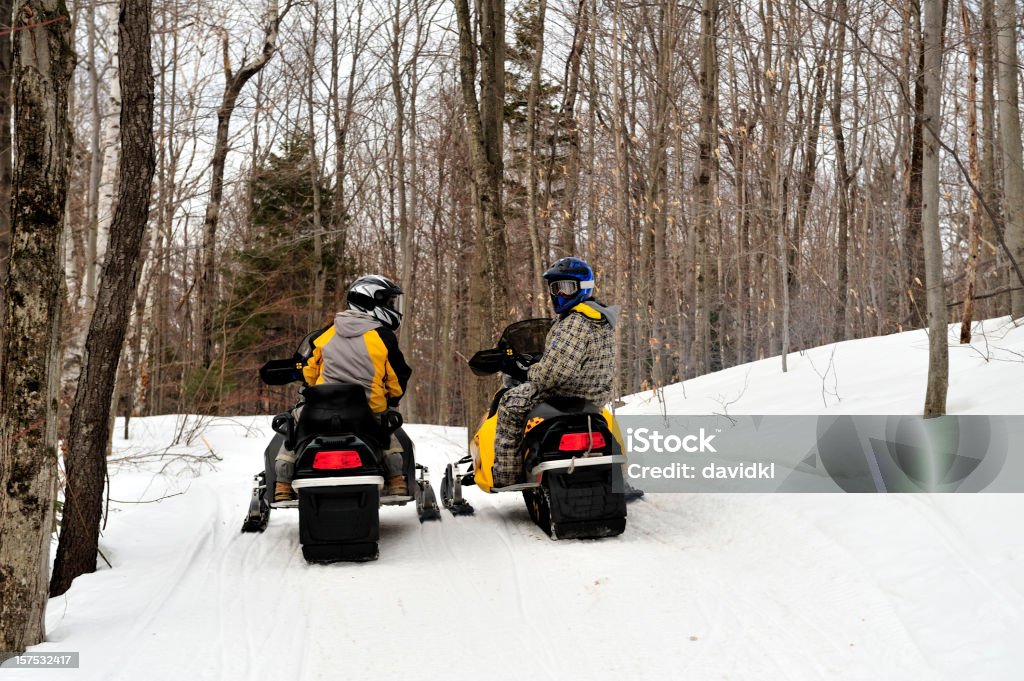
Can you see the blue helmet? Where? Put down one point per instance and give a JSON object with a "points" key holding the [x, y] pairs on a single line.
{"points": [[570, 281]]}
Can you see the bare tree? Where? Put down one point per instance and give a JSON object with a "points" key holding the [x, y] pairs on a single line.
{"points": [[532, 164], [1010, 136], [86, 459], [484, 118], [707, 201], [975, 218], [705, 186], [234, 82], [842, 178], [912, 248], [938, 350], [6, 15], [43, 64], [105, 159], [342, 114]]}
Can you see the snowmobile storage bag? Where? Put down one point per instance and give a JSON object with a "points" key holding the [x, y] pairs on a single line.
{"points": [[339, 523], [583, 503], [338, 508]]}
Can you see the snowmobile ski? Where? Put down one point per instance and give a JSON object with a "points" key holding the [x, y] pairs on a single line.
{"points": [[451, 493], [426, 500], [259, 512]]}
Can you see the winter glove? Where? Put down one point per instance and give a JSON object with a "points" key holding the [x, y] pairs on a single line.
{"points": [[391, 420]]}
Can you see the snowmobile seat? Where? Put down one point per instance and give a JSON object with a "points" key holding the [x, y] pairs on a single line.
{"points": [[558, 405], [338, 409]]}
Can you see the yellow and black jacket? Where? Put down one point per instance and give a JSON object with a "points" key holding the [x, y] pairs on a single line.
{"points": [[357, 349]]}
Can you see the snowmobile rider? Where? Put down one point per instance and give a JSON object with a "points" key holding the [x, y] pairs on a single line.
{"points": [[360, 348], [577, 361]]}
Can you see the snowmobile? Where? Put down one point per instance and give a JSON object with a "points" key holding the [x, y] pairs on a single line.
{"points": [[571, 450], [339, 473]]}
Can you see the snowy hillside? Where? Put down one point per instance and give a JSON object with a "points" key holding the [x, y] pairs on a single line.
{"points": [[701, 586], [884, 375]]}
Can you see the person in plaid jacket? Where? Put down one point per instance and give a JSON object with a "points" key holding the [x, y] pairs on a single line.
{"points": [[577, 361]]}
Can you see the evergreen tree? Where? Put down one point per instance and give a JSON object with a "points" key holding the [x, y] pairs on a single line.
{"points": [[267, 309]]}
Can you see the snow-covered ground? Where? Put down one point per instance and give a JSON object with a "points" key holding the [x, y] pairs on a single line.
{"points": [[701, 586], [883, 375]]}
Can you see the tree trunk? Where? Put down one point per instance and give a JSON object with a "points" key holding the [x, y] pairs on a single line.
{"points": [[912, 247], [532, 162], [988, 124], [706, 212], [234, 82], [105, 137], [621, 175], [488, 293], [406, 225], [566, 215], [842, 182], [972, 155], [341, 120], [1010, 136], [109, 147], [807, 177], [655, 198], [90, 416], [938, 348], [44, 61], [6, 15], [316, 314]]}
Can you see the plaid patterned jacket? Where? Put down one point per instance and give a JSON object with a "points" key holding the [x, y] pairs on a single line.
{"points": [[578, 355]]}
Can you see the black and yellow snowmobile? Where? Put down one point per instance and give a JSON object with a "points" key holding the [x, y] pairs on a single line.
{"points": [[339, 473], [571, 451]]}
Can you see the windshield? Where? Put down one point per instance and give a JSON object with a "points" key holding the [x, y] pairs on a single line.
{"points": [[526, 337]]}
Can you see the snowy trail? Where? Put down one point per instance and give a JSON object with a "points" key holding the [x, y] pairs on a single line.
{"points": [[700, 586]]}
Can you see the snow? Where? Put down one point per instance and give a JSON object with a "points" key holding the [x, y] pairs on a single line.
{"points": [[700, 586], [882, 375]]}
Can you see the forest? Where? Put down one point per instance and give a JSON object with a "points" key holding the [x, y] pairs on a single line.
{"points": [[187, 188], [746, 178]]}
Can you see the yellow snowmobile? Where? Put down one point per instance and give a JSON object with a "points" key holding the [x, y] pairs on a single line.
{"points": [[571, 450]]}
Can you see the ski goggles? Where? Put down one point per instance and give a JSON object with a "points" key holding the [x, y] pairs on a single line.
{"points": [[569, 287]]}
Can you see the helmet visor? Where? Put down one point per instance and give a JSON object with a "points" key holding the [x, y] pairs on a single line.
{"points": [[564, 287], [396, 303]]}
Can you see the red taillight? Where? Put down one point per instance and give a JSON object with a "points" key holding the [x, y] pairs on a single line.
{"points": [[581, 442], [336, 459]]}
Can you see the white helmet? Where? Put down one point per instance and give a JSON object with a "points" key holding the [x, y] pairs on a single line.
{"points": [[378, 296]]}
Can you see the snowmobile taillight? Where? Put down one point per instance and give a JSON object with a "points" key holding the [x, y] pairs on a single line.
{"points": [[580, 442], [337, 458]]}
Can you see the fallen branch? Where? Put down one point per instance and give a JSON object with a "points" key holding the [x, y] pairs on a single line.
{"points": [[990, 294], [146, 501]]}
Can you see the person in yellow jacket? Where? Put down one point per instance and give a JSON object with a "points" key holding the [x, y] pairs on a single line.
{"points": [[360, 347]]}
